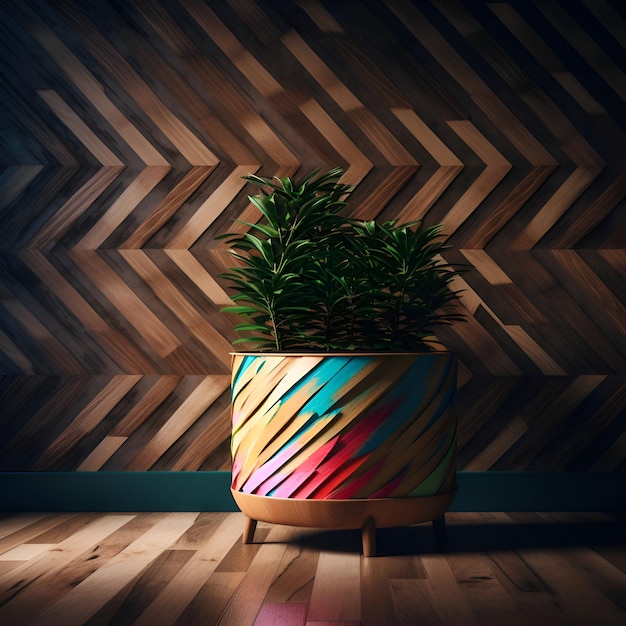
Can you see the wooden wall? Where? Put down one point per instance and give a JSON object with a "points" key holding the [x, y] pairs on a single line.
{"points": [[126, 127]]}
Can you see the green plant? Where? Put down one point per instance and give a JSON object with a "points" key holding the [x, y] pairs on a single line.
{"points": [[307, 278]]}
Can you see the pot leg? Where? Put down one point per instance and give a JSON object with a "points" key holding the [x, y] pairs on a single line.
{"points": [[441, 532], [248, 530], [368, 533]]}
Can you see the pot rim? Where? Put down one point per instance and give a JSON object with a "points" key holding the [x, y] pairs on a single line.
{"points": [[342, 353]]}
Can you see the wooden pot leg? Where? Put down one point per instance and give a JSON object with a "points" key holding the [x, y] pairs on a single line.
{"points": [[441, 532], [368, 532], [248, 530]]}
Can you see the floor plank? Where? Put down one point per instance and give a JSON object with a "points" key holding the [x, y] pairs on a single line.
{"points": [[248, 598], [185, 585], [336, 591], [79, 604], [28, 585], [186, 569]]}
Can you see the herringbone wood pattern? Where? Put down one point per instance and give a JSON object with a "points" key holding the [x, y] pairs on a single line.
{"points": [[126, 128], [159, 569]]}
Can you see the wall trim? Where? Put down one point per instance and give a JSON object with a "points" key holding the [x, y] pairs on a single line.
{"points": [[210, 491]]}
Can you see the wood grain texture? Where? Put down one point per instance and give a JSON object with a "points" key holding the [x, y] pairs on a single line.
{"points": [[126, 129], [191, 568]]}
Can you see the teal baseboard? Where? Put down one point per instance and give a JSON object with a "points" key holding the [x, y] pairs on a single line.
{"points": [[210, 491]]}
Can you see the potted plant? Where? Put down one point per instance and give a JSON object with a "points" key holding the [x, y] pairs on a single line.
{"points": [[343, 415]]}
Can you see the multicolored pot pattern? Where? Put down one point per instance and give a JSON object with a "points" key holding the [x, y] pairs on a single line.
{"points": [[344, 426]]}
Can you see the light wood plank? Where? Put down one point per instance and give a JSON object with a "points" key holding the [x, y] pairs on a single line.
{"points": [[194, 320], [84, 80], [249, 66], [101, 454], [191, 578], [132, 195], [276, 614], [26, 551], [85, 599], [336, 591], [22, 583], [127, 302], [16, 523], [447, 598], [295, 575], [204, 394], [74, 123], [73, 208], [249, 597], [190, 265], [211, 208], [89, 417]]}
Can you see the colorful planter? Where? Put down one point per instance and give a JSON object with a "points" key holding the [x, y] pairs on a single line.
{"points": [[344, 440]]}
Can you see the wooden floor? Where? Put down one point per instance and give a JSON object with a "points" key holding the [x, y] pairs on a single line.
{"points": [[191, 568]]}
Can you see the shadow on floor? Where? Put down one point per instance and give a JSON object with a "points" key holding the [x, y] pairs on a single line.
{"points": [[475, 537]]}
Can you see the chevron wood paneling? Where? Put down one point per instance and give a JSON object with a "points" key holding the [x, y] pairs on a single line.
{"points": [[125, 130]]}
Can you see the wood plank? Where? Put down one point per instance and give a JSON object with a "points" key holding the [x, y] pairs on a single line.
{"points": [[459, 68], [209, 443], [190, 265], [101, 454], [161, 388], [211, 208], [130, 602], [74, 123], [490, 602], [119, 345], [84, 80], [95, 591], [134, 193], [23, 583], [26, 551], [89, 417], [91, 560], [15, 523], [185, 310], [575, 590], [192, 408], [58, 353], [414, 603], [450, 604], [336, 591], [377, 597], [14, 181], [247, 64], [183, 587], [74, 208], [335, 88], [286, 614], [187, 143], [168, 206], [332, 132], [295, 574], [212, 599], [249, 596], [612, 73], [135, 310]]}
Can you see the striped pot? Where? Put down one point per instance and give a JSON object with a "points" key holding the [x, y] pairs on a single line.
{"points": [[343, 440]]}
